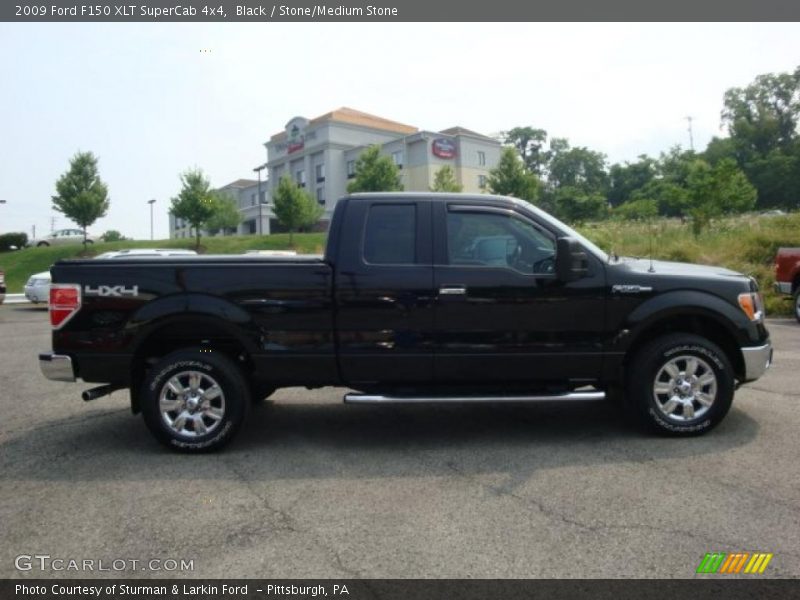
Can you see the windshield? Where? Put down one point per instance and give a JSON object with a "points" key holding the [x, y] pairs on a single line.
{"points": [[567, 230]]}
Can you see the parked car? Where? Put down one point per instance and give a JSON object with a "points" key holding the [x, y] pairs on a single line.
{"points": [[62, 236], [146, 252], [787, 275], [37, 289], [394, 311], [2, 287]]}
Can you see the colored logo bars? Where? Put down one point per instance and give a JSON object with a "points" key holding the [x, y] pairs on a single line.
{"points": [[736, 562]]}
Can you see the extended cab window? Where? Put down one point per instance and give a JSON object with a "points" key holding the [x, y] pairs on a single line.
{"points": [[499, 240], [391, 234]]}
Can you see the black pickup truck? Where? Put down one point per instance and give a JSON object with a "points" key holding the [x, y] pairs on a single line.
{"points": [[418, 298]]}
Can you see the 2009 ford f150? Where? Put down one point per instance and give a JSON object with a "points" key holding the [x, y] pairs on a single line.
{"points": [[418, 298]]}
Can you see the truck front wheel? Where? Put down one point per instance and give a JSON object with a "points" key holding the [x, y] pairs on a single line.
{"points": [[680, 384], [194, 400]]}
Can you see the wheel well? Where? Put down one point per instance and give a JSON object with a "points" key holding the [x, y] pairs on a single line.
{"points": [[696, 325], [796, 282], [205, 333]]}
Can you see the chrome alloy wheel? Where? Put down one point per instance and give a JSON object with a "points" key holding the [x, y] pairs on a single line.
{"points": [[192, 403], [685, 388]]}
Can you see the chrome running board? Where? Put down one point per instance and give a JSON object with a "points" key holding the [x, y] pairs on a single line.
{"points": [[354, 398]]}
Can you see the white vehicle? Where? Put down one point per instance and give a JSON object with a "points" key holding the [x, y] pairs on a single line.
{"points": [[274, 253], [146, 252], [61, 237], [38, 287]]}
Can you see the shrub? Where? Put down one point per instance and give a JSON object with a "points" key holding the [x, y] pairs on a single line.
{"points": [[18, 239]]}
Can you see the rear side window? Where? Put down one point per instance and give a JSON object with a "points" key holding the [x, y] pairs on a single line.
{"points": [[391, 234]]}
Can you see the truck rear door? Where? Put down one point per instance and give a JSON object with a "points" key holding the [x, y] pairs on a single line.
{"points": [[384, 292]]}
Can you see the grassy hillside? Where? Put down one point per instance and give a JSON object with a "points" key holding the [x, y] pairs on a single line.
{"points": [[21, 264], [747, 244]]}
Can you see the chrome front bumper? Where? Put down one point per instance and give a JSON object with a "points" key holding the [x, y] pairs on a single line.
{"points": [[756, 361], [57, 367]]}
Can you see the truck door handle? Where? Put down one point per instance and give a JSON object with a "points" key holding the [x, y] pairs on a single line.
{"points": [[452, 290]]}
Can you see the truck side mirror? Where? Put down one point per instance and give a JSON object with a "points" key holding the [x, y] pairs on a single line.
{"points": [[571, 260]]}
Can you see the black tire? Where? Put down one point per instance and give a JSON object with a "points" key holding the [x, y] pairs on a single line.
{"points": [[679, 405], [797, 303], [42, 244], [221, 415]]}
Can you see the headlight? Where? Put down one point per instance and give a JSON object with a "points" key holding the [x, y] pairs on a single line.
{"points": [[753, 306]]}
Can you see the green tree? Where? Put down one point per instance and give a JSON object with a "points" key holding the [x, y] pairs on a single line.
{"points": [[81, 194], [642, 209], [112, 235], [294, 207], [445, 181], [763, 116], [511, 178], [529, 144], [626, 179], [715, 191], [226, 215], [576, 205], [375, 172], [671, 198], [196, 202], [579, 168]]}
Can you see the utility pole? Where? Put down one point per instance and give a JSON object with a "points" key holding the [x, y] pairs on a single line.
{"points": [[258, 170], [691, 137], [52, 224], [151, 202]]}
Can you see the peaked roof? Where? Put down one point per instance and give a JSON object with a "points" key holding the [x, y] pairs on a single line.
{"points": [[240, 183], [356, 117], [458, 130]]}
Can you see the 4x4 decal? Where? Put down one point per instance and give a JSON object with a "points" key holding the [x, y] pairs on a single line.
{"points": [[111, 291]]}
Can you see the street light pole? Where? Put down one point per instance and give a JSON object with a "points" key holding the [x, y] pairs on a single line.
{"points": [[258, 170], [151, 202]]}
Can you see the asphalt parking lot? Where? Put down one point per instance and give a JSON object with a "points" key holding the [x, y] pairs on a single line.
{"points": [[313, 488]]}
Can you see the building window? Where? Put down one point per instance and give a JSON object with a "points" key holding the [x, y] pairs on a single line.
{"points": [[300, 177], [351, 169], [321, 195], [320, 173], [252, 199], [397, 157], [262, 197], [482, 181], [482, 158]]}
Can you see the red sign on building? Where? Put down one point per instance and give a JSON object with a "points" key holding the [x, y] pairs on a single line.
{"points": [[443, 148]]}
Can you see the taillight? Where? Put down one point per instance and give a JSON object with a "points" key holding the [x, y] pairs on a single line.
{"points": [[65, 302]]}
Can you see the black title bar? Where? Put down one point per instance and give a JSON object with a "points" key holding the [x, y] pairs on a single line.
{"points": [[398, 589], [398, 11]]}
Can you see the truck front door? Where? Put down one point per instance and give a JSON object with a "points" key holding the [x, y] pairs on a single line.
{"points": [[502, 315]]}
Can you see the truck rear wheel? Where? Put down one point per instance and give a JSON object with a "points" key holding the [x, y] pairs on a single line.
{"points": [[194, 401], [680, 384], [797, 303]]}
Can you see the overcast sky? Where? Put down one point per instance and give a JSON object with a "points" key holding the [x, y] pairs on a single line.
{"points": [[149, 103]]}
